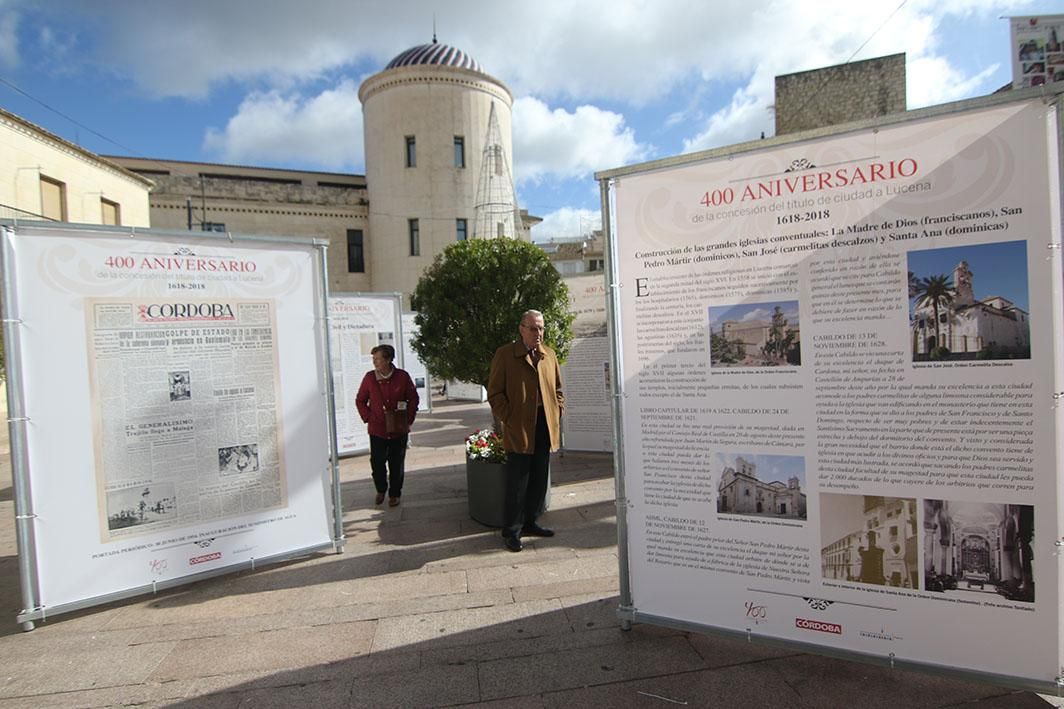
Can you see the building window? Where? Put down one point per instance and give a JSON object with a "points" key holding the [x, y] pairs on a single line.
{"points": [[459, 151], [595, 264], [415, 237], [213, 226], [462, 229], [53, 199], [110, 212], [356, 262], [411, 151]]}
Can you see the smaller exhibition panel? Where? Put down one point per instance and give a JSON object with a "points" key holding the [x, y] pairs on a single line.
{"points": [[588, 423], [358, 322]]}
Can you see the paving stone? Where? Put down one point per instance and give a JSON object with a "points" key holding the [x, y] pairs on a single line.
{"points": [[734, 687], [588, 666], [534, 574], [475, 625], [280, 649]]}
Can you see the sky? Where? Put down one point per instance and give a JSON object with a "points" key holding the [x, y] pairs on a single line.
{"points": [[597, 85], [997, 269]]}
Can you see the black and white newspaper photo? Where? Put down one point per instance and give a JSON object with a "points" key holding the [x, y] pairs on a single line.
{"points": [[186, 417]]}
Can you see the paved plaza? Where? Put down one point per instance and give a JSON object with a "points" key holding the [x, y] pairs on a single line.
{"points": [[425, 608]]}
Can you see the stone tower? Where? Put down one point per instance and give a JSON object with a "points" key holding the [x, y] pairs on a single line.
{"points": [[426, 117], [962, 283]]}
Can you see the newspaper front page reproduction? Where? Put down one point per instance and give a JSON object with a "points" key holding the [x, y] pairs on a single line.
{"points": [[186, 418]]}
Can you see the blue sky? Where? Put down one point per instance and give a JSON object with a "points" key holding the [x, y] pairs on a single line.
{"points": [[997, 269], [597, 84]]}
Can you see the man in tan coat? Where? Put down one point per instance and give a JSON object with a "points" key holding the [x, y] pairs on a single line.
{"points": [[525, 393]]}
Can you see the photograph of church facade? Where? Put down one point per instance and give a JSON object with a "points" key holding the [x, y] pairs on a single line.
{"points": [[775, 492], [969, 302], [755, 335], [873, 539], [979, 547]]}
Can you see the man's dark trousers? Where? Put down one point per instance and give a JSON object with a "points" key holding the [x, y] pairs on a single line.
{"points": [[526, 481]]}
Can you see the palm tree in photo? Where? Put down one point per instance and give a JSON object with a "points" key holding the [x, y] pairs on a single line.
{"points": [[935, 291]]}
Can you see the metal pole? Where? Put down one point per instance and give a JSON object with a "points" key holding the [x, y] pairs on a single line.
{"points": [[17, 423], [330, 398], [625, 611]]}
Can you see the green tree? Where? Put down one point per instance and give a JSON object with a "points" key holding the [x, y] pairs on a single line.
{"points": [[935, 291], [470, 301]]}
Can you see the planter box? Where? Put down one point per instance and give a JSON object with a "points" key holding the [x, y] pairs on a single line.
{"points": [[486, 489], [486, 484]]}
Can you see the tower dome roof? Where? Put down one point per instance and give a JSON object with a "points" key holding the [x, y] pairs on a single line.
{"points": [[435, 54]]}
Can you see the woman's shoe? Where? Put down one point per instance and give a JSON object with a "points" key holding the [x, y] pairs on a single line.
{"points": [[393, 501], [380, 498]]}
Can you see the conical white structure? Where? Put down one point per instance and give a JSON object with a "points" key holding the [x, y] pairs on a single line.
{"points": [[495, 207]]}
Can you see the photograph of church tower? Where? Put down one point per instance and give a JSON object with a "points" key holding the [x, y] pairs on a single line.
{"points": [[969, 302]]}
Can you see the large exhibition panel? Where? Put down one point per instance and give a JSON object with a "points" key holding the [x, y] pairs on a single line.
{"points": [[168, 404], [839, 358]]}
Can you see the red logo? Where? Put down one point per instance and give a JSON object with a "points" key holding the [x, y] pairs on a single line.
{"points": [[205, 558], [818, 625]]}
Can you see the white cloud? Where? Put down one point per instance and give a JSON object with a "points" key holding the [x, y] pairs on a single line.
{"points": [[560, 143], [799, 39], [932, 80], [325, 130], [567, 222], [596, 49]]}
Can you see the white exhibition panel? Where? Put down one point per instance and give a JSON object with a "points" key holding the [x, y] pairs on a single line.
{"points": [[174, 392], [358, 322], [802, 460], [588, 422], [413, 364]]}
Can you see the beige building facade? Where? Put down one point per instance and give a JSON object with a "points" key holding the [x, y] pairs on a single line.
{"points": [[45, 177], [426, 119]]}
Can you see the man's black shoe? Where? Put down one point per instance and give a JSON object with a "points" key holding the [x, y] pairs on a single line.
{"points": [[534, 530], [513, 543]]}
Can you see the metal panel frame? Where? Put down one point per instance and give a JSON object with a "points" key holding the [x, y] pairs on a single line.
{"points": [[24, 515], [627, 613]]}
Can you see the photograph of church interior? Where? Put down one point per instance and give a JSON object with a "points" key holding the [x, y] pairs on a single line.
{"points": [[973, 548]]}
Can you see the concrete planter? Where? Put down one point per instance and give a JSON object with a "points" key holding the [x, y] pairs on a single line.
{"points": [[486, 484], [486, 489]]}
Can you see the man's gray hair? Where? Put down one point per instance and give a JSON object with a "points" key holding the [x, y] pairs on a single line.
{"points": [[530, 313]]}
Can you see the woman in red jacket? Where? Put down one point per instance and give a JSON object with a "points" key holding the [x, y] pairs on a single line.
{"points": [[387, 402]]}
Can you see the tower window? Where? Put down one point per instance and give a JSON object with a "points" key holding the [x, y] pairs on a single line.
{"points": [[459, 151], [411, 151], [356, 262], [415, 237], [461, 229]]}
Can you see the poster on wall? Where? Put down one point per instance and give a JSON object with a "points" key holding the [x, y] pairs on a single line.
{"points": [[177, 382], [358, 322], [1037, 50], [838, 357], [588, 421], [413, 364]]}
